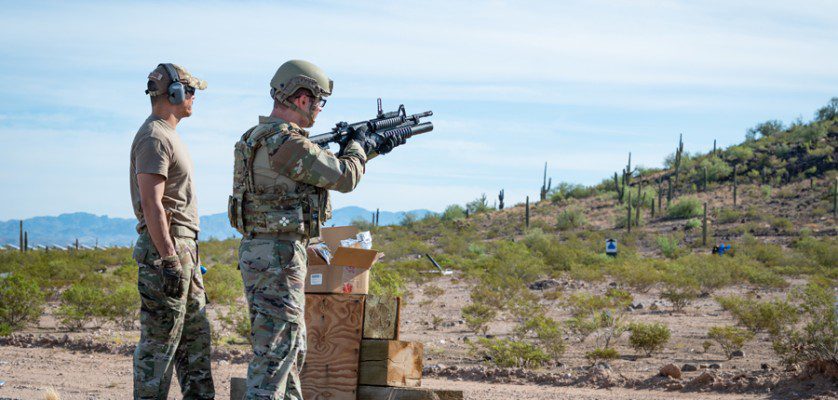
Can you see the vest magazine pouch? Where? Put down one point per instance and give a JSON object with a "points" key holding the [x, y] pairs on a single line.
{"points": [[234, 212], [284, 221]]}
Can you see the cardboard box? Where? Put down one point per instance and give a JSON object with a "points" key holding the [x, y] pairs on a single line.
{"points": [[348, 271]]}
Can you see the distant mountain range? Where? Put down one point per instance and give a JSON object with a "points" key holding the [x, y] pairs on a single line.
{"points": [[93, 230]]}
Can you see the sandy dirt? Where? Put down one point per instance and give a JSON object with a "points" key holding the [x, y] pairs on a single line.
{"points": [[86, 376]]}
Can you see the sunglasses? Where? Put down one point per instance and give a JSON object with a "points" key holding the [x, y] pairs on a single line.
{"points": [[189, 90]]}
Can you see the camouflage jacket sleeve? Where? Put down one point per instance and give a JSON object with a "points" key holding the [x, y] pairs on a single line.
{"points": [[303, 161]]}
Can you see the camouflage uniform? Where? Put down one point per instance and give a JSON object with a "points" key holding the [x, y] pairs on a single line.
{"points": [[172, 328], [279, 200]]}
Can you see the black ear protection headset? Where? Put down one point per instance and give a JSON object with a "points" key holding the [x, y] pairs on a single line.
{"points": [[176, 90]]}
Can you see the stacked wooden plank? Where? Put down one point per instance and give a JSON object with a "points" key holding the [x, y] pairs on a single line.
{"points": [[353, 346]]}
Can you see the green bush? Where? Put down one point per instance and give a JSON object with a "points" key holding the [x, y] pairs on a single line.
{"points": [[729, 338], [453, 213], [570, 219], [508, 353], [685, 207], [236, 319], [564, 191], [80, 305], [547, 331], [478, 205], [692, 224], [223, 283], [122, 305], [21, 302], [648, 337], [478, 316], [816, 340], [668, 245], [680, 297], [600, 354], [760, 316]]}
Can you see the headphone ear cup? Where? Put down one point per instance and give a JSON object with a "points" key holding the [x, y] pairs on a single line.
{"points": [[177, 93]]}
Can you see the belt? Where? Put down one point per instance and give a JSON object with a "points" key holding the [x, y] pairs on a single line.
{"points": [[182, 231], [277, 236], [177, 230]]}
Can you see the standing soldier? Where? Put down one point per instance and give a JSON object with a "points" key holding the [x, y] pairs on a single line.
{"points": [[280, 198], [173, 320]]}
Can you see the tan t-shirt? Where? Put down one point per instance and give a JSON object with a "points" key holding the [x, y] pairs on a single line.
{"points": [[157, 149]]}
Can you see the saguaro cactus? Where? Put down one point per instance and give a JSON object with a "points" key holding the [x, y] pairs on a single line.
{"points": [[679, 153], [544, 183], [628, 217], [500, 200], [704, 227], [527, 214], [734, 183]]}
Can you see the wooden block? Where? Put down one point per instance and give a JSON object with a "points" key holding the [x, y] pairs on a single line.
{"points": [[238, 388], [333, 325], [391, 363], [393, 393], [382, 317]]}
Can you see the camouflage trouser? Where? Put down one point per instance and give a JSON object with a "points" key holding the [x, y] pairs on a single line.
{"points": [[274, 274], [171, 328]]}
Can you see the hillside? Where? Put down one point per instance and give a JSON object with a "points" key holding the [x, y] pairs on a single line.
{"points": [[541, 303]]}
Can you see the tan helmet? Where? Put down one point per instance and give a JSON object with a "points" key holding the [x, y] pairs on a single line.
{"points": [[298, 74]]}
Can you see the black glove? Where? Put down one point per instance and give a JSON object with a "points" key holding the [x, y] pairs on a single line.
{"points": [[389, 144], [171, 274], [358, 135]]}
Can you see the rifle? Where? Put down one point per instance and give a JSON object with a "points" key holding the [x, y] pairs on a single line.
{"points": [[385, 125]]}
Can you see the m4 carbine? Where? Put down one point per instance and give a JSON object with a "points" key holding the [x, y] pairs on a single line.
{"points": [[385, 125]]}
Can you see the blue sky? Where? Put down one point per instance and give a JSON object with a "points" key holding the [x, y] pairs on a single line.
{"points": [[578, 84]]}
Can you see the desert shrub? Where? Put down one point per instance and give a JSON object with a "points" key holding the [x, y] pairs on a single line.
{"points": [[679, 296], [478, 316], [764, 129], [80, 305], [21, 302], [692, 224], [386, 280], [648, 337], [453, 213], [668, 245], [740, 154], [829, 111], [508, 353], [547, 331], [363, 224], [781, 224], [223, 283], [816, 341], [432, 291], [706, 345], [122, 305], [564, 191], [602, 354], [638, 274], [824, 251], [726, 216], [570, 219], [729, 338], [594, 312], [478, 205], [236, 319], [760, 316], [685, 207]]}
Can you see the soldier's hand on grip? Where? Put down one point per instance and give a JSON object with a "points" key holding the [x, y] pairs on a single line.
{"points": [[358, 135], [171, 273]]}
